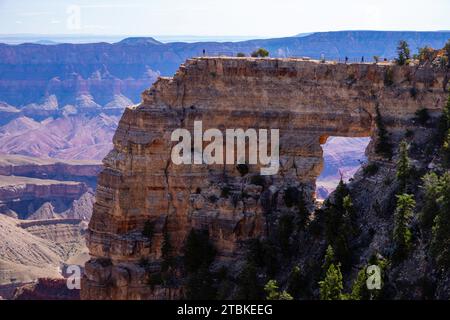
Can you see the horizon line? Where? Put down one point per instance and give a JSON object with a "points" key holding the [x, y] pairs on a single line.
{"points": [[207, 35]]}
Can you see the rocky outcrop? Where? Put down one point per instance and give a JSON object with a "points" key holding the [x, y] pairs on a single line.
{"points": [[46, 289], [20, 187], [25, 196], [56, 230], [40, 189], [307, 100], [16, 188], [17, 165]]}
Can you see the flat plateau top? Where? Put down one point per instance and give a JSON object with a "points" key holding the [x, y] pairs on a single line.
{"points": [[19, 160], [6, 181], [291, 59]]}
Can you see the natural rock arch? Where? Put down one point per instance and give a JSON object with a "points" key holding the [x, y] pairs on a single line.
{"points": [[307, 100]]}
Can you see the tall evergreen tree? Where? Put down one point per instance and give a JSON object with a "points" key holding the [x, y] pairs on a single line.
{"points": [[446, 113], [403, 53], [440, 245], [338, 223], [329, 259], [432, 191], [302, 210], [402, 232], [348, 207], [335, 211], [285, 230], [382, 147], [447, 49], [444, 133], [446, 150], [403, 166], [331, 286], [359, 288]]}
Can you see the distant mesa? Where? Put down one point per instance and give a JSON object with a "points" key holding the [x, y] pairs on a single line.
{"points": [[46, 42], [135, 41], [300, 35]]}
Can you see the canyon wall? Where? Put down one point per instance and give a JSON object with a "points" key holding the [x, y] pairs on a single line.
{"points": [[33, 188], [82, 171], [307, 100]]}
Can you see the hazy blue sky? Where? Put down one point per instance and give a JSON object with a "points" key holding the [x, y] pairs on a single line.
{"points": [[219, 17]]}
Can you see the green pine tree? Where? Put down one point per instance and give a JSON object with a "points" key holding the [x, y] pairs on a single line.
{"points": [[348, 207], [446, 150], [273, 293], [440, 245], [331, 287], [339, 221], [359, 287], [285, 296], [285, 230], [432, 191], [403, 167], [446, 113], [447, 50], [402, 233], [329, 259], [382, 147], [261, 52], [302, 210], [403, 53], [444, 133]]}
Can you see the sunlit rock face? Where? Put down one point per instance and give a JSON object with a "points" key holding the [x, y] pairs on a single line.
{"points": [[306, 100]]}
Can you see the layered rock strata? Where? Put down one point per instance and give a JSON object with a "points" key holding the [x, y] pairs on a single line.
{"points": [[75, 170], [307, 101], [30, 198]]}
